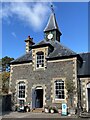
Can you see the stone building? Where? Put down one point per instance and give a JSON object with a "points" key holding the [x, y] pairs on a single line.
{"points": [[39, 77]]}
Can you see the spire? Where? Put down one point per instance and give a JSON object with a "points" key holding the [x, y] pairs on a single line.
{"points": [[52, 23]]}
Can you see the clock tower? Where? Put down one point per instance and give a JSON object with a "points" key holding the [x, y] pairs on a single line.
{"points": [[51, 30]]}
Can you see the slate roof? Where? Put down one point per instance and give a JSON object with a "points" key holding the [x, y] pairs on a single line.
{"points": [[58, 51], [85, 68], [23, 59], [52, 23]]}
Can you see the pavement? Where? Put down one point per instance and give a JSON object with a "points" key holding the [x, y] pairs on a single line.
{"points": [[33, 115], [30, 115]]}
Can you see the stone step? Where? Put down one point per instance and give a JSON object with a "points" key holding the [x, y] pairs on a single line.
{"points": [[85, 115], [38, 110]]}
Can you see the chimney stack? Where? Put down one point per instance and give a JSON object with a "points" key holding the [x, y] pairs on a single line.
{"points": [[29, 42]]}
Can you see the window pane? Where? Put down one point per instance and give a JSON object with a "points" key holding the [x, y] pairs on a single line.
{"points": [[37, 65], [40, 59], [62, 86], [62, 96], [21, 90], [42, 65], [59, 89]]}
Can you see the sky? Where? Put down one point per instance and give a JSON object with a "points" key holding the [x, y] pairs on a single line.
{"points": [[21, 19]]}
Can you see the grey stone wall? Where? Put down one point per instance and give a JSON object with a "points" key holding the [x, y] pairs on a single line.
{"points": [[53, 70]]}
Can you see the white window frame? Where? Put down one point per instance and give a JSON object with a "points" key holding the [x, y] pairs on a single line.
{"points": [[23, 83], [59, 81], [42, 59]]}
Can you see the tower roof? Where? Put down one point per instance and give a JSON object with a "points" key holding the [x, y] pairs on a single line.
{"points": [[52, 23]]}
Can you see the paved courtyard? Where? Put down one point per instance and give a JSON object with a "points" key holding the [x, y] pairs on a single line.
{"points": [[37, 115], [34, 115]]}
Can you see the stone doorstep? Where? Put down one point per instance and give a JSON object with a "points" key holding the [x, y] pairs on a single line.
{"points": [[38, 110], [85, 115]]}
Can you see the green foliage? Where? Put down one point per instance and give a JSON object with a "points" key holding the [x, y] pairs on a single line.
{"points": [[5, 81], [69, 84], [5, 63], [70, 87], [4, 74]]}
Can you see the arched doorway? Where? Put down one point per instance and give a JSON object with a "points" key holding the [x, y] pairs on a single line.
{"points": [[88, 97], [37, 97]]}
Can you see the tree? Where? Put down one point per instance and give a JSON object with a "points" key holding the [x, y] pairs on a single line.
{"points": [[5, 82], [5, 73], [69, 84], [5, 63]]}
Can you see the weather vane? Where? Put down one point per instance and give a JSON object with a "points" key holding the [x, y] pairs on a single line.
{"points": [[52, 8]]}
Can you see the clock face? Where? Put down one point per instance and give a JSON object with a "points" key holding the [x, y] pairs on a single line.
{"points": [[50, 36]]}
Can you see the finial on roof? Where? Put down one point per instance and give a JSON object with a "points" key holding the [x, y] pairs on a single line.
{"points": [[52, 8]]}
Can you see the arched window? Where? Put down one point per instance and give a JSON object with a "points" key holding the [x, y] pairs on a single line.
{"points": [[59, 89], [21, 89], [40, 59]]}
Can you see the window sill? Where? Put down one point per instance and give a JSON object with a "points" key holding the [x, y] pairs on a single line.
{"points": [[41, 68], [59, 100], [21, 98]]}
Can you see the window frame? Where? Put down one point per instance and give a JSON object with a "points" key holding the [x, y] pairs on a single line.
{"points": [[59, 81], [20, 90], [40, 58]]}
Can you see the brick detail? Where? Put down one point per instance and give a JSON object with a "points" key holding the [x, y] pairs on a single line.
{"points": [[84, 100], [44, 91], [75, 79], [10, 82], [53, 91], [16, 89]]}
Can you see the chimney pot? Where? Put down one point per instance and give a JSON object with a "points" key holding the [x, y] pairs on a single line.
{"points": [[29, 42]]}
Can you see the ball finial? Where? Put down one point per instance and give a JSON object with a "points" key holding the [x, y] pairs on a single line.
{"points": [[52, 8]]}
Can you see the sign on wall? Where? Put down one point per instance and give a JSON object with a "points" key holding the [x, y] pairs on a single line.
{"points": [[64, 109]]}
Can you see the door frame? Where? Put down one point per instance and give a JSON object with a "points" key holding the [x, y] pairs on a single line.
{"points": [[87, 87], [38, 87]]}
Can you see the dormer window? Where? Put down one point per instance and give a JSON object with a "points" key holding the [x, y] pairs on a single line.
{"points": [[40, 59]]}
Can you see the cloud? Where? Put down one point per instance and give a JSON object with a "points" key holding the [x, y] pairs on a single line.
{"points": [[13, 34], [31, 14]]}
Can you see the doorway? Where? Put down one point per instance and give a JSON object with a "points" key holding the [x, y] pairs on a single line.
{"points": [[88, 90], [37, 97], [88, 97]]}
